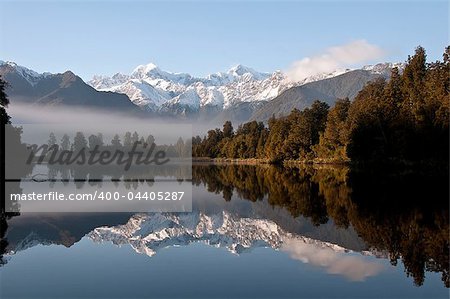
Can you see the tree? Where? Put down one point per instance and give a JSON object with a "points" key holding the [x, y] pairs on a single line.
{"points": [[210, 147], [227, 129], [275, 144], [150, 140], [65, 142], [79, 142], [52, 139], [333, 141], [127, 139], [115, 142], [305, 128], [134, 138], [95, 140], [413, 83], [179, 146], [100, 139]]}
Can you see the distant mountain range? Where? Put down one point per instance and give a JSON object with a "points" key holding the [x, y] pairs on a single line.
{"points": [[239, 94], [149, 233]]}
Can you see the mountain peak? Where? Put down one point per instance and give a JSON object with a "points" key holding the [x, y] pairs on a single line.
{"points": [[146, 68], [31, 76], [246, 72], [241, 70]]}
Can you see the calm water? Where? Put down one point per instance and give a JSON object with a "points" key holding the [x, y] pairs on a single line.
{"points": [[254, 232]]}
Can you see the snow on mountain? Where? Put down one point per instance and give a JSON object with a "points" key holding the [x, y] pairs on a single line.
{"points": [[246, 89], [154, 89], [187, 101], [249, 73], [104, 82], [209, 95], [222, 89], [148, 233], [31, 76], [323, 76], [142, 93], [151, 71], [384, 68]]}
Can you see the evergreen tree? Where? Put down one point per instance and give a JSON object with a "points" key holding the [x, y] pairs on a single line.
{"points": [[79, 142], [227, 129], [134, 138], [179, 146], [52, 139], [65, 142], [150, 140], [100, 139], [115, 142], [127, 139], [333, 141]]}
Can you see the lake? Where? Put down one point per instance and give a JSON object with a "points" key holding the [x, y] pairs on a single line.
{"points": [[254, 232]]}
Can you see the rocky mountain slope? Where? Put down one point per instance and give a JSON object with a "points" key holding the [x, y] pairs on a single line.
{"points": [[27, 86]]}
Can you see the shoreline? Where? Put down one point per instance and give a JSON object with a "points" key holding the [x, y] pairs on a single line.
{"points": [[400, 164]]}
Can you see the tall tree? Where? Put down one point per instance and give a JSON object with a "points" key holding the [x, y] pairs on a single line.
{"points": [[227, 129], [79, 142], [51, 139], [333, 141], [127, 139], [115, 142], [134, 138], [65, 142]]}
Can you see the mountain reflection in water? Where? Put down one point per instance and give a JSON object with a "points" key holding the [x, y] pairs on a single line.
{"points": [[319, 215]]}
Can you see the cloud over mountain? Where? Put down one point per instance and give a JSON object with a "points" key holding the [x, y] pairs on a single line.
{"points": [[333, 58]]}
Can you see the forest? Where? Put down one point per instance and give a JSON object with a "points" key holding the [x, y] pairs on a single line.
{"points": [[403, 119]]}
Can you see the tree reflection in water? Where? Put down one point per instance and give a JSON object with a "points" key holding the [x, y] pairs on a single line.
{"points": [[404, 213]]}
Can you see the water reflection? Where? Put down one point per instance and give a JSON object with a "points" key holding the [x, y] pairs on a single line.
{"points": [[149, 233], [313, 213], [404, 213]]}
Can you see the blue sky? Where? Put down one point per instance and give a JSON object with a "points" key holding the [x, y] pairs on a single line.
{"points": [[201, 37]]}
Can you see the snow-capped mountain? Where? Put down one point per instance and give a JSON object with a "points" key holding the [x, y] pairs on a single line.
{"points": [[148, 233], [384, 68], [31, 76], [29, 87], [153, 89]]}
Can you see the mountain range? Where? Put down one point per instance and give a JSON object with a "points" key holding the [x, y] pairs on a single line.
{"points": [[239, 94], [149, 233], [27, 86]]}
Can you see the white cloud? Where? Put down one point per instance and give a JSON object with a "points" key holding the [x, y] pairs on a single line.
{"points": [[353, 267], [334, 58]]}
